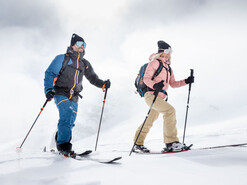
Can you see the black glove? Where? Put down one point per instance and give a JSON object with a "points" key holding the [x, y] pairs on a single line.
{"points": [[107, 84], [49, 95], [189, 80], [159, 86]]}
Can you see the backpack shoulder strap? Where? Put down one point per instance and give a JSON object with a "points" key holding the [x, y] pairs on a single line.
{"points": [[170, 69], [65, 63], [157, 72]]}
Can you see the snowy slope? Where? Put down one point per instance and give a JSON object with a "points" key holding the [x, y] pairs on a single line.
{"points": [[207, 36], [217, 166]]}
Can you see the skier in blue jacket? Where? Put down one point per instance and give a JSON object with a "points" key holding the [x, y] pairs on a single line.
{"points": [[63, 82]]}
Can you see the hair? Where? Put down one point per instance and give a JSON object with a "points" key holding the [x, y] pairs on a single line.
{"points": [[156, 56]]}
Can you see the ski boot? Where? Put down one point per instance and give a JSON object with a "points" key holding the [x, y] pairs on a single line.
{"points": [[140, 149], [175, 146], [65, 149]]}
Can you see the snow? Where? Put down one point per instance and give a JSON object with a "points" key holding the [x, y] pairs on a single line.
{"points": [[212, 166]]}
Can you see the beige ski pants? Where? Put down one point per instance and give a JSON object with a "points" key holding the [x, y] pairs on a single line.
{"points": [[169, 120]]}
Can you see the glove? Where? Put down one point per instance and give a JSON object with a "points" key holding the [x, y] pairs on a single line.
{"points": [[159, 86], [189, 80], [49, 95], [107, 84]]}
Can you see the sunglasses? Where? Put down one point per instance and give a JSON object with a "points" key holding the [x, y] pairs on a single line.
{"points": [[169, 50], [81, 43], [166, 51]]}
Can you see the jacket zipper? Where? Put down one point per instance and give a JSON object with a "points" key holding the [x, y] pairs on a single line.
{"points": [[75, 77]]}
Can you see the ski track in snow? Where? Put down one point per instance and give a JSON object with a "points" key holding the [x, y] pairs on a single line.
{"points": [[199, 166], [214, 166], [217, 166]]}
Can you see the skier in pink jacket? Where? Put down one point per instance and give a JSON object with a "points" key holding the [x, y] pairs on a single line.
{"points": [[160, 84]]}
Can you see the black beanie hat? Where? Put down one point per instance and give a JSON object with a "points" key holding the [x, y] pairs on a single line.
{"points": [[162, 45], [75, 38]]}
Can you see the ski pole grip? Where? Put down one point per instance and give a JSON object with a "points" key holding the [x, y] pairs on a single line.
{"points": [[191, 72]]}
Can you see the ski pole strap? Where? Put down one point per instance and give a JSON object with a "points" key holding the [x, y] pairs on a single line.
{"points": [[164, 92], [103, 88]]}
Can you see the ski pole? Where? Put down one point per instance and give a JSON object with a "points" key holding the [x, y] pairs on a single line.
{"points": [[19, 148], [191, 74], [155, 96], [101, 117]]}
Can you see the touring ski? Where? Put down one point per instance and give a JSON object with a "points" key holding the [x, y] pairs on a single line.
{"points": [[224, 146], [83, 156], [100, 160]]}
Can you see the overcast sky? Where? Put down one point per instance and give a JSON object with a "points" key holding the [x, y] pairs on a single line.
{"points": [[208, 36]]}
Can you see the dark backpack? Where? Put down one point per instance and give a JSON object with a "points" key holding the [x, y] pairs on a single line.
{"points": [[141, 87]]}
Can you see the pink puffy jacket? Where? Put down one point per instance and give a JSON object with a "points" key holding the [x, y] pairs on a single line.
{"points": [[169, 79]]}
